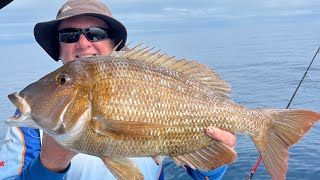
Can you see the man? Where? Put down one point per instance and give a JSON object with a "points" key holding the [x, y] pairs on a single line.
{"points": [[82, 28]]}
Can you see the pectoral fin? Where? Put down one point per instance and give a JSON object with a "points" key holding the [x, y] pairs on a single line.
{"points": [[110, 127], [207, 158], [123, 168]]}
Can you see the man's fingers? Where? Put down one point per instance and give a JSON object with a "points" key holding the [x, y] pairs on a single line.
{"points": [[223, 136]]}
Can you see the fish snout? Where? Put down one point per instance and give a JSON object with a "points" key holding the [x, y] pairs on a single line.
{"points": [[14, 98], [19, 102]]}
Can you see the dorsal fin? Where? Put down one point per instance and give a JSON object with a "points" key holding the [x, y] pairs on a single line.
{"points": [[190, 69]]}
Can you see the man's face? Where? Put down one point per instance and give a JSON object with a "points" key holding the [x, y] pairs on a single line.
{"points": [[83, 47]]}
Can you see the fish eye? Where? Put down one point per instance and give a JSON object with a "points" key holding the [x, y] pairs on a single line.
{"points": [[63, 79]]}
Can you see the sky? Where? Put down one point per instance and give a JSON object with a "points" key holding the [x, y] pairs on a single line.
{"points": [[19, 17]]}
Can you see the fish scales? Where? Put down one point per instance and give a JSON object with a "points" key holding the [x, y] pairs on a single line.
{"points": [[137, 103], [162, 102]]}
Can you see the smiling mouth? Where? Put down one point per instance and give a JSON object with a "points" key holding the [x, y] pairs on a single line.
{"points": [[84, 56]]}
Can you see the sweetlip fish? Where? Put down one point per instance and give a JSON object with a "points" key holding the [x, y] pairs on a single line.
{"points": [[137, 103]]}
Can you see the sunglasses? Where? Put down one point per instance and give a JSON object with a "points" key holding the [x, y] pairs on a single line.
{"points": [[93, 34]]}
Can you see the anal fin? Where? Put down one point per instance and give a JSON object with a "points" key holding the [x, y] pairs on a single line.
{"points": [[207, 158], [123, 169]]}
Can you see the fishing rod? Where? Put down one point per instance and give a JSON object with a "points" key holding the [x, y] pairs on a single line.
{"points": [[289, 103]]}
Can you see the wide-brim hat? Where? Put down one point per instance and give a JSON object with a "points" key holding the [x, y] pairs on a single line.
{"points": [[46, 33]]}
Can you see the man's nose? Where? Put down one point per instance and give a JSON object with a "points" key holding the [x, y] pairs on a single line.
{"points": [[83, 42]]}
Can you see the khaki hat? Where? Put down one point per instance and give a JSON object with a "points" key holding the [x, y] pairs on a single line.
{"points": [[46, 33]]}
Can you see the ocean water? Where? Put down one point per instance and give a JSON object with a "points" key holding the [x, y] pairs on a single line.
{"points": [[263, 64]]}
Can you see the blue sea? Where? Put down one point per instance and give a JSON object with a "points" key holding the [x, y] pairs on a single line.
{"points": [[264, 63]]}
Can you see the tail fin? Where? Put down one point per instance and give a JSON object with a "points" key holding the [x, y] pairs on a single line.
{"points": [[288, 128]]}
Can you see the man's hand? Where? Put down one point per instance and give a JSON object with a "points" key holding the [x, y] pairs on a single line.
{"points": [[53, 156], [223, 136]]}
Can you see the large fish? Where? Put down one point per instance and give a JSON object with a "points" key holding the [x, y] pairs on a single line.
{"points": [[137, 103]]}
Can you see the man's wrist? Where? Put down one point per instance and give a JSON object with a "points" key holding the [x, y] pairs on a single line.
{"points": [[57, 163]]}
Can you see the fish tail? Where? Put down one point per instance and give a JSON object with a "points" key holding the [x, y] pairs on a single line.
{"points": [[288, 127]]}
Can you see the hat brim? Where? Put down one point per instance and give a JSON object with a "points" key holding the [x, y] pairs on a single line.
{"points": [[46, 33]]}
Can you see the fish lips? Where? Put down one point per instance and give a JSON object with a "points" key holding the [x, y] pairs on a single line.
{"points": [[15, 98], [23, 119], [19, 102]]}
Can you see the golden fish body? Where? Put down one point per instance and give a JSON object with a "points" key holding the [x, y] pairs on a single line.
{"points": [[132, 91], [135, 103]]}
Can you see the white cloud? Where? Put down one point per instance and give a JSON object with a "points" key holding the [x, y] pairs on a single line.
{"points": [[16, 36], [288, 4], [195, 12], [297, 12], [16, 25]]}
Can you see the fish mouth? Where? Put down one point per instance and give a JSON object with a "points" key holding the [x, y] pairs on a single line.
{"points": [[23, 118]]}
